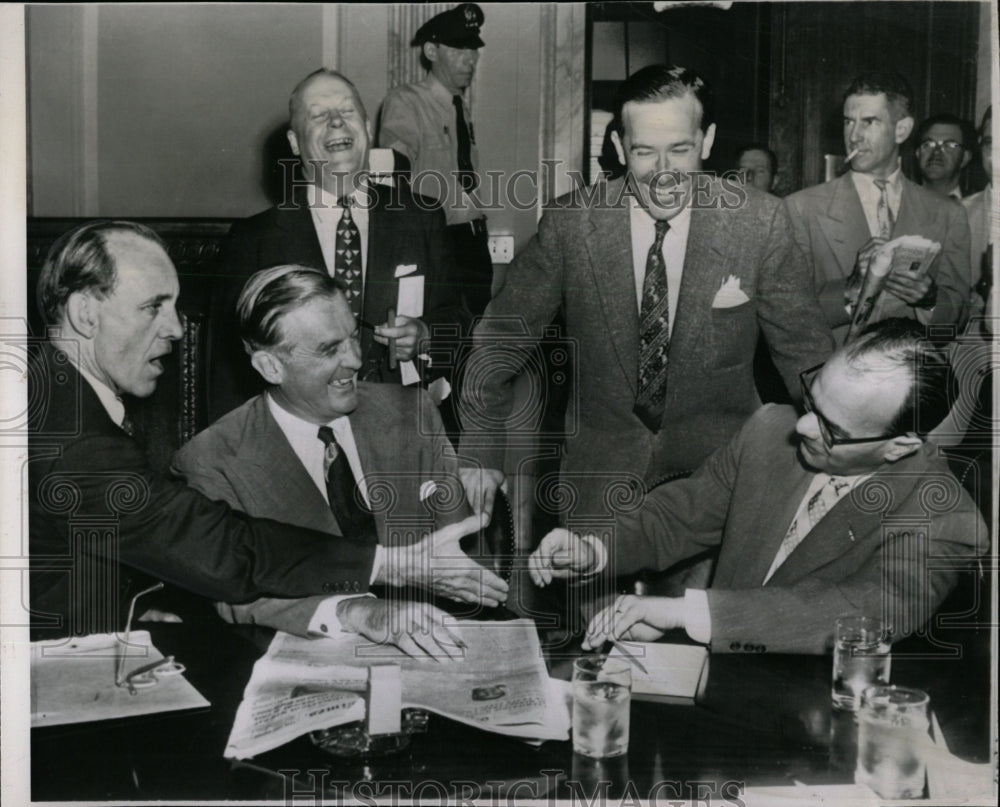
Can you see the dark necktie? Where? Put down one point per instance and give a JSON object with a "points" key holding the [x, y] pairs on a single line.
{"points": [[356, 522], [348, 261], [466, 173], [128, 425], [654, 336]]}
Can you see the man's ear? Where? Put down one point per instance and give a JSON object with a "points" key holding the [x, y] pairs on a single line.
{"points": [[82, 314], [902, 446], [616, 141], [293, 141], [430, 51], [269, 366], [707, 143], [966, 157], [904, 127]]}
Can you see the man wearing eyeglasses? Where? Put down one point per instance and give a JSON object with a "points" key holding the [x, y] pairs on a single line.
{"points": [[839, 508], [839, 224], [944, 147]]}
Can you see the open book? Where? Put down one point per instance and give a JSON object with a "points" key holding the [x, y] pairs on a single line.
{"points": [[302, 685], [675, 673]]}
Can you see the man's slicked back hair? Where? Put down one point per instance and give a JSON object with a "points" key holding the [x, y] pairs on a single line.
{"points": [[81, 260], [659, 82], [323, 71], [896, 89]]}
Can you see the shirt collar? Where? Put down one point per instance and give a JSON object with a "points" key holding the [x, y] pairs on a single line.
{"points": [[111, 402], [679, 224], [295, 427], [359, 196], [894, 182], [438, 90]]}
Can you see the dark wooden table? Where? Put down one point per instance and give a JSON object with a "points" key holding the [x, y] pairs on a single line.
{"points": [[764, 720]]}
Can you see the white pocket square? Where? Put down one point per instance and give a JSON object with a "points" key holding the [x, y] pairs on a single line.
{"points": [[405, 269], [730, 294], [427, 489]]}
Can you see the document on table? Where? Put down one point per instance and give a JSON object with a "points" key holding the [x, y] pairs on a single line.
{"points": [[73, 681], [301, 685], [676, 673]]}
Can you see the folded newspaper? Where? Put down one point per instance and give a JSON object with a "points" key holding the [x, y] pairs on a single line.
{"points": [[909, 254], [302, 685]]}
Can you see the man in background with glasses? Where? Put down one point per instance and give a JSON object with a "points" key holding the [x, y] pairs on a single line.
{"points": [[839, 508], [944, 146]]}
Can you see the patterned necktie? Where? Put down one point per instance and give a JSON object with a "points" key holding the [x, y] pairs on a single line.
{"points": [[466, 173], [654, 336], [808, 517], [356, 522], [883, 212], [348, 261], [128, 425]]}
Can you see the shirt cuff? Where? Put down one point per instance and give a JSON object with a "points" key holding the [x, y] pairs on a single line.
{"points": [[377, 562], [697, 616], [324, 621]]}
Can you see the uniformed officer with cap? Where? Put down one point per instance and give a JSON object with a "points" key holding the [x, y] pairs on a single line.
{"points": [[430, 124]]}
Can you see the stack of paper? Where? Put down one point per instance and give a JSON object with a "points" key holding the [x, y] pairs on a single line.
{"points": [[675, 673]]}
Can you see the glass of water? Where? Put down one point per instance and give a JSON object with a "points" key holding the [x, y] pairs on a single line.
{"points": [[892, 738], [602, 689], [860, 659]]}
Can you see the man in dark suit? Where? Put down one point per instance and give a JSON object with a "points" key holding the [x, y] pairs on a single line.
{"points": [[101, 519], [377, 239], [840, 223], [842, 510], [269, 459], [665, 278]]}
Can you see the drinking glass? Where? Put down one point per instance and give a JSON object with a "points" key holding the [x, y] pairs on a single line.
{"points": [[860, 659], [892, 738], [602, 689]]}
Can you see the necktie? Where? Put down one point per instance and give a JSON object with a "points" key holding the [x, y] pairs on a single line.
{"points": [[356, 522], [654, 336], [808, 517], [466, 173], [883, 212], [128, 425], [348, 262]]}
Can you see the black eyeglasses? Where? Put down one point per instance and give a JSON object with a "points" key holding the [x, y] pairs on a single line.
{"points": [[825, 427]]}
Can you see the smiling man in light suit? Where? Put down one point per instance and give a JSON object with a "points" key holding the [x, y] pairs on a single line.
{"points": [[666, 278], [840, 509], [321, 449]]}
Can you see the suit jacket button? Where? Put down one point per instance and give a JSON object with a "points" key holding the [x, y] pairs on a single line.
{"points": [[327, 588], [761, 648], [734, 646]]}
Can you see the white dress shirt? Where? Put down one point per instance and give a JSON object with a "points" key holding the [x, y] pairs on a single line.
{"points": [[326, 216], [111, 402], [869, 194], [643, 229], [303, 437]]}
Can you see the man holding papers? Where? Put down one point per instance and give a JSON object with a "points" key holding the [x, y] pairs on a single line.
{"points": [[839, 224], [842, 509], [388, 248], [323, 450]]}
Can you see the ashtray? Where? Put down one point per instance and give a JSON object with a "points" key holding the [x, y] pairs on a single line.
{"points": [[353, 739]]}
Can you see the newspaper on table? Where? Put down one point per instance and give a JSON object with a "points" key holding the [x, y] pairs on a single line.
{"points": [[302, 685], [909, 254]]}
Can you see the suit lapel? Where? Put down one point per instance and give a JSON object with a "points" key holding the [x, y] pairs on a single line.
{"points": [[275, 477], [609, 245], [297, 223], [913, 213], [704, 264], [844, 225], [844, 526]]}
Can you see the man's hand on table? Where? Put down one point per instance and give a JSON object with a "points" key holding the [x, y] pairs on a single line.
{"points": [[481, 485], [562, 554], [416, 628], [637, 619], [438, 564]]}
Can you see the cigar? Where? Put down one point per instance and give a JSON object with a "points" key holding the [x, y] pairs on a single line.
{"points": [[851, 156], [390, 318]]}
